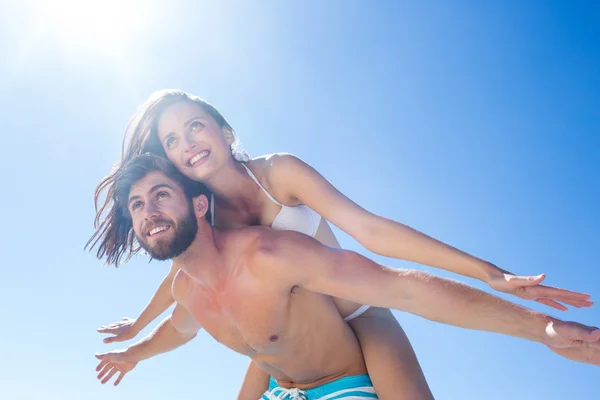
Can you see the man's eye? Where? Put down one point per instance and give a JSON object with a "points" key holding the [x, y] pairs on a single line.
{"points": [[162, 195], [170, 142], [196, 126], [136, 205]]}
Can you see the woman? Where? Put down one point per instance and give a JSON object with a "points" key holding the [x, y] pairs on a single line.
{"points": [[282, 191]]}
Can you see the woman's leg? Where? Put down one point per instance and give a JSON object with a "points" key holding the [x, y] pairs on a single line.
{"points": [[390, 359], [256, 382]]}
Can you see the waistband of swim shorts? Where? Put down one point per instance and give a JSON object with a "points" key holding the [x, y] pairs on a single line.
{"points": [[345, 383]]}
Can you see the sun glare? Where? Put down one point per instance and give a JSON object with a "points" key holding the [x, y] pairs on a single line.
{"points": [[103, 27]]}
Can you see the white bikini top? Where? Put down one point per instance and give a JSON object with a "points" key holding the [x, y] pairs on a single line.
{"points": [[297, 218]]}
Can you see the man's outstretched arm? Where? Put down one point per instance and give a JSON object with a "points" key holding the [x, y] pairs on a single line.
{"points": [[300, 260], [173, 332]]}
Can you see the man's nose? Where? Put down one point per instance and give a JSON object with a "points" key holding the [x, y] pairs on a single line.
{"points": [[150, 211]]}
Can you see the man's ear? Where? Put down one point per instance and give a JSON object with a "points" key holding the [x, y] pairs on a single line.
{"points": [[228, 134], [200, 205]]}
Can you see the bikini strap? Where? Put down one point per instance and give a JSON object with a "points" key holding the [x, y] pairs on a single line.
{"points": [[212, 209], [261, 186], [359, 311]]}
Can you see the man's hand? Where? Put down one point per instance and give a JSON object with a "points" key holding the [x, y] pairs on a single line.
{"points": [[574, 341], [122, 330], [113, 362], [529, 288]]}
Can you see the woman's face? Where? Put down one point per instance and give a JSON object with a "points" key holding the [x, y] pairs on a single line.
{"points": [[193, 140]]}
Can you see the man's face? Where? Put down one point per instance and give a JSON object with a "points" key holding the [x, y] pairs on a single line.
{"points": [[163, 218]]}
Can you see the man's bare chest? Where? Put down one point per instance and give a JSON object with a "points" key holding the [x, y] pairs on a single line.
{"points": [[249, 318]]}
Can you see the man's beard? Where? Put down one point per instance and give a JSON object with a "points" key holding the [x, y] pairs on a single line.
{"points": [[165, 248]]}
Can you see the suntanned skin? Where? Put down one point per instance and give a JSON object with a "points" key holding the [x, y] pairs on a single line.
{"points": [[295, 335], [186, 129], [263, 292]]}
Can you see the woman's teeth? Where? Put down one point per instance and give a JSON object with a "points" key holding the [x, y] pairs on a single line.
{"points": [[198, 157]]}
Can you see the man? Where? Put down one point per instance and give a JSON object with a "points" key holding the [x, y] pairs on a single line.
{"points": [[265, 293]]}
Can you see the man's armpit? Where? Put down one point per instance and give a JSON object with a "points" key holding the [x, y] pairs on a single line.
{"points": [[184, 322]]}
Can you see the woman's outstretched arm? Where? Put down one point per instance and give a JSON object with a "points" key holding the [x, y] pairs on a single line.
{"points": [[294, 181], [129, 328]]}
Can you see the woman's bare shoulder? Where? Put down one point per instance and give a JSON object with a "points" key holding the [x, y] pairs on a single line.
{"points": [[270, 168], [267, 161]]}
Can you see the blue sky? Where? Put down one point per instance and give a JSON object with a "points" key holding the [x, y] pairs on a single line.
{"points": [[475, 122]]}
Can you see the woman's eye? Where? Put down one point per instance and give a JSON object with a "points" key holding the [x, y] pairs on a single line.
{"points": [[196, 126], [170, 142]]}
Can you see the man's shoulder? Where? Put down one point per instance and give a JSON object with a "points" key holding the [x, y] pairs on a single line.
{"points": [[260, 245], [252, 240]]}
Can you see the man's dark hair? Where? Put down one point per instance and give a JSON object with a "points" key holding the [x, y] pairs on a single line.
{"points": [[114, 230]]}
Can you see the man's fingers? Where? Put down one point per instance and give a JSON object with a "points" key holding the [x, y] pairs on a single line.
{"points": [[110, 375], [119, 378], [101, 365], [109, 357], [552, 303], [105, 369], [576, 331], [592, 336]]}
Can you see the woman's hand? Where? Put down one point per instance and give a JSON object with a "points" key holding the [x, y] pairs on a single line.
{"points": [[529, 288], [122, 330]]}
